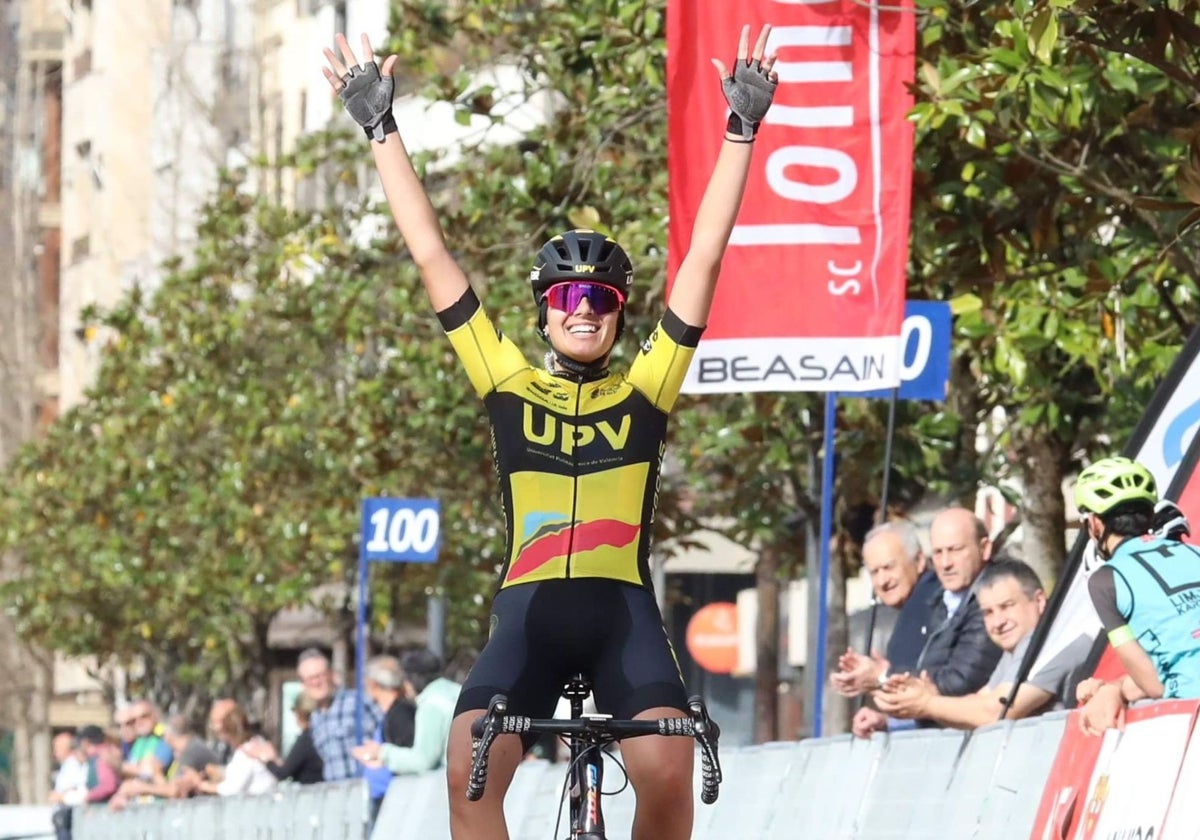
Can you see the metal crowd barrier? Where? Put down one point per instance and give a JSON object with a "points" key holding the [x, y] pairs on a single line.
{"points": [[334, 811], [914, 785]]}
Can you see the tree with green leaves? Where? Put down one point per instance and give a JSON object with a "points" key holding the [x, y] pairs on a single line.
{"points": [[1045, 209], [212, 476]]}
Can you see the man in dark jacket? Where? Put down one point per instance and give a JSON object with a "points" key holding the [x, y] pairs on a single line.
{"points": [[958, 655]]}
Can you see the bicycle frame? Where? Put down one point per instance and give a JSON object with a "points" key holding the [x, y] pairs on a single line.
{"points": [[586, 770], [587, 735]]}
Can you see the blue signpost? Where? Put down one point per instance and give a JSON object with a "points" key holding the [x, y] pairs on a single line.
{"points": [[393, 531]]}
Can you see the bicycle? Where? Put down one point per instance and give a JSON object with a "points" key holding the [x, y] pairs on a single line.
{"points": [[587, 736]]}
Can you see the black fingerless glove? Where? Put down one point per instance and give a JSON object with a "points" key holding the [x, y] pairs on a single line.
{"points": [[749, 92], [368, 99]]}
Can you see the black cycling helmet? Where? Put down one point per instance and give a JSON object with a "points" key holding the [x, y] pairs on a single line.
{"points": [[581, 255], [1170, 523]]}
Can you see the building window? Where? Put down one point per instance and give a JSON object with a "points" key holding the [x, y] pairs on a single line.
{"points": [[82, 64], [81, 248]]}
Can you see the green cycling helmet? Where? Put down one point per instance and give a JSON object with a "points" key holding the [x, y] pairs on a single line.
{"points": [[1113, 481]]}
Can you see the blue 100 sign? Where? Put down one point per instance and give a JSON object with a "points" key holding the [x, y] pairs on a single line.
{"points": [[401, 530]]}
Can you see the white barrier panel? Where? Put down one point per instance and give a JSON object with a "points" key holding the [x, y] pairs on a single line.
{"points": [[823, 789], [1141, 773], [971, 780], [1183, 815], [334, 811], [418, 802], [905, 796], [755, 784], [1010, 804], [26, 821]]}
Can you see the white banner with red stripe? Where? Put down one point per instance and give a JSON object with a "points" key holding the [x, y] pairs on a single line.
{"points": [[811, 295]]}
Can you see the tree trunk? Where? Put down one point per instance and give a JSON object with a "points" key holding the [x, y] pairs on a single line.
{"points": [[766, 682], [24, 709], [32, 741], [963, 398], [1044, 459], [258, 676], [837, 708]]}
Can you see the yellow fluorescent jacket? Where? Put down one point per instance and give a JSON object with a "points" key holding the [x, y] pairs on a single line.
{"points": [[578, 462]]}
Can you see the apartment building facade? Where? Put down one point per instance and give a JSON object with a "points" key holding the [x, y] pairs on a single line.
{"points": [[31, 40], [117, 116], [155, 103]]}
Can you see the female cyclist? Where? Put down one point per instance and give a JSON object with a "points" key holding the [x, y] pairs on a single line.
{"points": [[578, 450]]}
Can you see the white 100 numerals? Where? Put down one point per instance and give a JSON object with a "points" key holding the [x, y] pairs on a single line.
{"points": [[403, 530]]}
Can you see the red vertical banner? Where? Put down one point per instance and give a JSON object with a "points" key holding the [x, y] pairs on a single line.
{"points": [[811, 295]]}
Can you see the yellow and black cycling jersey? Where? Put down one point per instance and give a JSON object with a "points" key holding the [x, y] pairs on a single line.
{"points": [[578, 462]]}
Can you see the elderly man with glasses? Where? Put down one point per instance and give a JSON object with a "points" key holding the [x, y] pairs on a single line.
{"points": [[150, 755], [332, 722]]}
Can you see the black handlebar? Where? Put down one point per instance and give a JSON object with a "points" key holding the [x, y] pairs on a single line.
{"points": [[707, 734], [493, 723]]}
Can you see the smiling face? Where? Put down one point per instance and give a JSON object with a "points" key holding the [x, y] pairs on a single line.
{"points": [[1009, 614], [144, 718], [317, 678], [893, 572], [581, 335]]}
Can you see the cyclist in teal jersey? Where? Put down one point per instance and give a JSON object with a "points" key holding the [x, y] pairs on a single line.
{"points": [[578, 450], [1147, 593]]}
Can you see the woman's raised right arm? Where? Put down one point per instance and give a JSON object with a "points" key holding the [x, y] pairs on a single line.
{"points": [[367, 94]]}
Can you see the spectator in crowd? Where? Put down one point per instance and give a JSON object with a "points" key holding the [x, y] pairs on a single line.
{"points": [[100, 782], [191, 758], [244, 774], [126, 733], [149, 756], [905, 589], [103, 768], [71, 775], [1145, 593], [303, 764], [191, 753], [72, 770], [333, 719], [1011, 600], [958, 656], [216, 713], [386, 686], [435, 697]]}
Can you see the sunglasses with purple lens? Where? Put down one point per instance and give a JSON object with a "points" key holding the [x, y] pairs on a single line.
{"points": [[566, 297]]}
